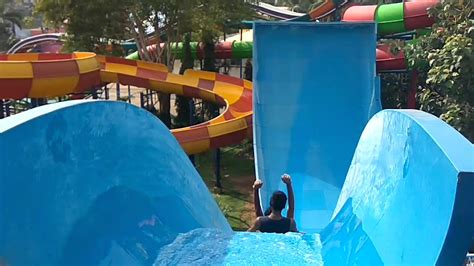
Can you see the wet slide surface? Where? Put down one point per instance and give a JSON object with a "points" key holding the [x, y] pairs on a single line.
{"points": [[311, 104]]}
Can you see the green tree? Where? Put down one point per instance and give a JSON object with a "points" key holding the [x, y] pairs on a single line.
{"points": [[444, 60], [170, 18], [210, 20], [96, 25], [93, 25], [9, 19], [394, 90]]}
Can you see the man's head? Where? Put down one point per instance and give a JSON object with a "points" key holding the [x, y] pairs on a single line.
{"points": [[278, 201]]}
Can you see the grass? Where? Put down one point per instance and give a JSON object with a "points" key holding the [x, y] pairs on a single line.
{"points": [[237, 176]]}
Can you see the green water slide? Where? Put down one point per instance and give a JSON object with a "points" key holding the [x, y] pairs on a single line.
{"points": [[223, 50], [390, 18]]}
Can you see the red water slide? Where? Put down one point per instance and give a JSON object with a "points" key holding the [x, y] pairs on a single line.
{"points": [[391, 19]]}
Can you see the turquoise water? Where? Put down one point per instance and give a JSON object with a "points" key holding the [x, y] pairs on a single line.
{"points": [[213, 247]]}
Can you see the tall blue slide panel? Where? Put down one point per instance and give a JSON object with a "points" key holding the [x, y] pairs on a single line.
{"points": [[313, 94], [89, 182]]}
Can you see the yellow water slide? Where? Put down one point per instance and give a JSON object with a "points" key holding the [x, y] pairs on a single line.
{"points": [[54, 75]]}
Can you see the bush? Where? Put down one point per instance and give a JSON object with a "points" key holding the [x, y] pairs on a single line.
{"points": [[444, 60]]}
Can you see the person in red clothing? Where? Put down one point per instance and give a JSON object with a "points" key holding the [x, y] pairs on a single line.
{"points": [[273, 221]]}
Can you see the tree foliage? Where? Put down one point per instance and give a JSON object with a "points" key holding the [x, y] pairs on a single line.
{"points": [[394, 92], [90, 24], [444, 60], [94, 25], [9, 18], [211, 16]]}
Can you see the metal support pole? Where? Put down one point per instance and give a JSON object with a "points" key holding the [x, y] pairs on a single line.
{"points": [[192, 112], [217, 167], [147, 98], [142, 102], [129, 95], [34, 103], [217, 162], [241, 38], [106, 93], [7, 108], [94, 93], [2, 110], [118, 91]]}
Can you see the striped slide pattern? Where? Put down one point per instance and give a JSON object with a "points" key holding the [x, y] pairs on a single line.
{"points": [[53, 75]]}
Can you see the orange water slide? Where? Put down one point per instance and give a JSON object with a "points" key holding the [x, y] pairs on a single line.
{"points": [[53, 75]]}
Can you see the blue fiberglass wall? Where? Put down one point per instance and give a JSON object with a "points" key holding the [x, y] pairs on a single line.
{"points": [[79, 177], [407, 198], [313, 94]]}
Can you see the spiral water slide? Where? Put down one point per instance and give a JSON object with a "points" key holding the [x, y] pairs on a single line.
{"points": [[52, 75]]}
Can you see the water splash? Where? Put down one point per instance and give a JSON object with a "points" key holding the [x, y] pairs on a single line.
{"points": [[214, 247]]}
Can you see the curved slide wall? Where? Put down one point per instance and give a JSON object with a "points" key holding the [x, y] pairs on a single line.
{"points": [[407, 198], [76, 191], [310, 106], [90, 172]]}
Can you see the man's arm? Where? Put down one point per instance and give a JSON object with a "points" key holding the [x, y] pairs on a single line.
{"points": [[293, 226], [291, 198], [256, 197], [255, 226]]}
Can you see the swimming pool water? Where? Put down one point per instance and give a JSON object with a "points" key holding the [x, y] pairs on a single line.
{"points": [[213, 247]]}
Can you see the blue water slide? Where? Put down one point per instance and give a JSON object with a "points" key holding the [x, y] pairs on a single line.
{"points": [[407, 198], [311, 104], [105, 183], [84, 182]]}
